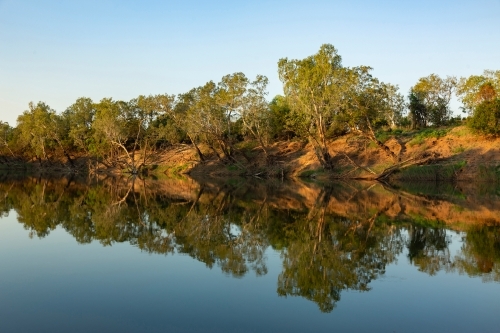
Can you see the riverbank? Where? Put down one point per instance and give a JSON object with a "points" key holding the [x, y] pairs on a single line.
{"points": [[446, 154], [442, 155]]}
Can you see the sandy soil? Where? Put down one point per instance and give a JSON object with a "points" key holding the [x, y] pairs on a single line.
{"points": [[296, 158]]}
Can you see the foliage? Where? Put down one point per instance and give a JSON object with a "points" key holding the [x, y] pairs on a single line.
{"points": [[471, 90], [281, 120], [255, 114], [79, 118], [458, 150], [326, 99], [6, 136], [489, 174], [486, 117], [383, 136], [323, 252], [418, 109], [40, 130], [323, 99], [428, 133], [430, 99], [315, 88], [480, 96]]}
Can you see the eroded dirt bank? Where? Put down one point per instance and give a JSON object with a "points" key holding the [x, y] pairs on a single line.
{"points": [[443, 155]]}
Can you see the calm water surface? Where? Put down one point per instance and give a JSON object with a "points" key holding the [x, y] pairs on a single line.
{"points": [[178, 256]]}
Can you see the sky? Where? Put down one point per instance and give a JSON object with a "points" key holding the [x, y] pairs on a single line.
{"points": [[58, 51]]}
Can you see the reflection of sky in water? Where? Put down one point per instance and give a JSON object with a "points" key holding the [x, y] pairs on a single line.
{"points": [[63, 286], [235, 230]]}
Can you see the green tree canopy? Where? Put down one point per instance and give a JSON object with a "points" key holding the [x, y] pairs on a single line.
{"points": [[435, 94]]}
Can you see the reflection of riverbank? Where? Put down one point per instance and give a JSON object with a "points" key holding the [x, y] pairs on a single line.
{"points": [[456, 205], [331, 237], [452, 204]]}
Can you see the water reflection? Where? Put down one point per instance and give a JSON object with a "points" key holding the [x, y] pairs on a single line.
{"points": [[331, 238]]}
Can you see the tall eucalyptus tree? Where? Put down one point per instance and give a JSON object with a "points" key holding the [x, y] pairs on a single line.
{"points": [[255, 113], [316, 88]]}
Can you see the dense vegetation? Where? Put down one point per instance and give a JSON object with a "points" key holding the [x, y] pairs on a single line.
{"points": [[322, 100]]}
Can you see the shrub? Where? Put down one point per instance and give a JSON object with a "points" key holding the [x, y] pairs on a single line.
{"points": [[383, 136], [486, 117], [397, 131], [427, 133]]}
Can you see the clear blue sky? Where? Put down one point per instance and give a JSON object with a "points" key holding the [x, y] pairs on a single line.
{"points": [[57, 51]]}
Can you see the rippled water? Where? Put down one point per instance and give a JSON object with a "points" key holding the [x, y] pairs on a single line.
{"points": [[124, 255]]}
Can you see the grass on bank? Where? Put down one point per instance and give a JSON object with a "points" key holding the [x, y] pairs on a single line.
{"points": [[489, 173], [428, 133], [433, 172]]}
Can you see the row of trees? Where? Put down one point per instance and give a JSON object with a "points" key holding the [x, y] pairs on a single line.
{"points": [[429, 100], [114, 132], [322, 99]]}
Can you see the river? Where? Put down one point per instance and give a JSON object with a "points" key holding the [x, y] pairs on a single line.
{"points": [[177, 255]]}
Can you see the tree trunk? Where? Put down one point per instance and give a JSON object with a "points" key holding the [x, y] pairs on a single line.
{"points": [[198, 151], [378, 142]]}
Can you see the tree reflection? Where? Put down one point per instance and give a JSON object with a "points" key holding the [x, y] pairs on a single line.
{"points": [[428, 249], [480, 255], [328, 254], [330, 239]]}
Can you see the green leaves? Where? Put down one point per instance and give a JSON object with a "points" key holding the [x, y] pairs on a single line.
{"points": [[468, 88], [486, 117], [481, 97], [316, 89], [327, 99], [430, 99], [79, 117], [37, 128]]}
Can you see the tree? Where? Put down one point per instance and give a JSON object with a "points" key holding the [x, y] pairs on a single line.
{"points": [[41, 129], [212, 110], [127, 134], [316, 88], [280, 119], [371, 103], [468, 88], [395, 105], [480, 95], [162, 118], [209, 120], [255, 113], [230, 96], [486, 117], [184, 118], [32, 125], [418, 109], [6, 133], [153, 128], [80, 116], [112, 128], [435, 93]]}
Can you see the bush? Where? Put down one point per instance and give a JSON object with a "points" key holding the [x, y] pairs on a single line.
{"points": [[455, 121], [427, 133], [397, 131], [383, 136], [486, 117]]}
